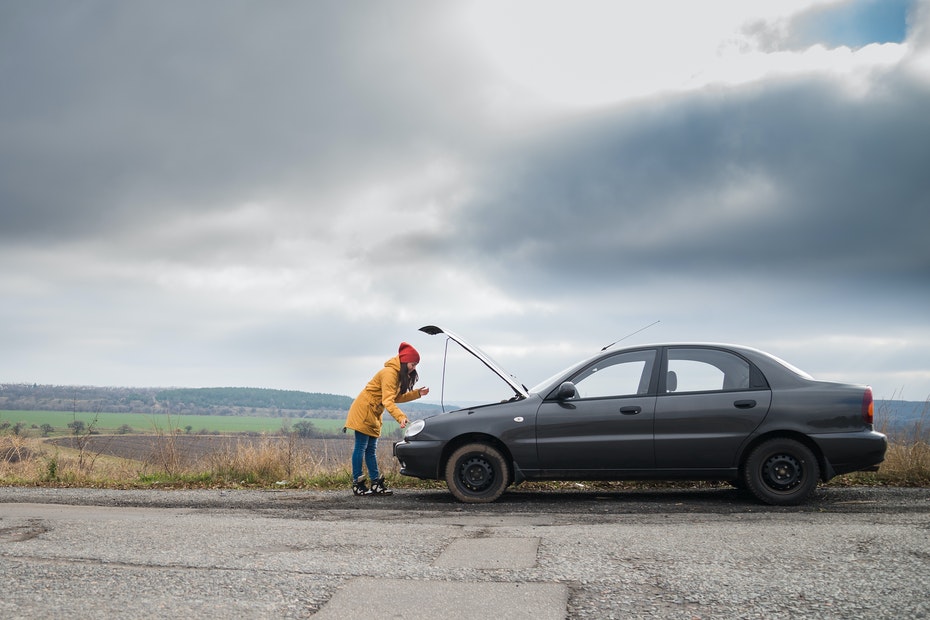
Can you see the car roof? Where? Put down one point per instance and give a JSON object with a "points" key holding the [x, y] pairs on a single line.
{"points": [[770, 365], [767, 362]]}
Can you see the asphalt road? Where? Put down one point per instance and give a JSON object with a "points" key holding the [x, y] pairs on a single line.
{"points": [[86, 553]]}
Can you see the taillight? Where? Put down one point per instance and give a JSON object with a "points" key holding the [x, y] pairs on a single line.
{"points": [[868, 406]]}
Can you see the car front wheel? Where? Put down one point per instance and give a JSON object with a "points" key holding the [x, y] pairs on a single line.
{"points": [[782, 472], [477, 473]]}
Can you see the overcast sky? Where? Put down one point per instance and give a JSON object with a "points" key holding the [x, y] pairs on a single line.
{"points": [[226, 193]]}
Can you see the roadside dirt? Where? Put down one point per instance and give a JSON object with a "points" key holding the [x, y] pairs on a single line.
{"points": [[405, 504]]}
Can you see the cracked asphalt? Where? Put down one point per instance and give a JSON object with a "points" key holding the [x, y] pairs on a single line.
{"points": [[664, 553]]}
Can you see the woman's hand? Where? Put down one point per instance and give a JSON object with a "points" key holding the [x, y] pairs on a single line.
{"points": [[423, 391]]}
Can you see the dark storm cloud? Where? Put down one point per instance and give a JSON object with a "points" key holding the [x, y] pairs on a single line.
{"points": [[113, 113], [796, 178]]}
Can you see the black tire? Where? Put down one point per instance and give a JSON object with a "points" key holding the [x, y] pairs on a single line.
{"points": [[477, 473], [782, 472]]}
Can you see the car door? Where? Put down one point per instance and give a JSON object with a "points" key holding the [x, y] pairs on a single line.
{"points": [[709, 401], [607, 425]]}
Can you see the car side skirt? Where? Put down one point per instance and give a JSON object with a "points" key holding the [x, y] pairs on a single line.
{"points": [[724, 473]]}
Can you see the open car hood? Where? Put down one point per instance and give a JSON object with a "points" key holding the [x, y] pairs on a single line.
{"points": [[509, 379]]}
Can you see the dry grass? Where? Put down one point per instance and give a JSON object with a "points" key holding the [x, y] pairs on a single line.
{"points": [[907, 461], [264, 462], [44, 464], [286, 462], [908, 464], [276, 459]]}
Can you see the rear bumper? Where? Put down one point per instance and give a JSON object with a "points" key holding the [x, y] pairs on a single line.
{"points": [[419, 459], [849, 452]]}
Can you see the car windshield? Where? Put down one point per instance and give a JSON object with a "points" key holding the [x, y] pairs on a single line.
{"points": [[546, 384]]}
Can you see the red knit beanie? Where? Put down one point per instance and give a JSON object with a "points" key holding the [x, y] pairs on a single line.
{"points": [[408, 354]]}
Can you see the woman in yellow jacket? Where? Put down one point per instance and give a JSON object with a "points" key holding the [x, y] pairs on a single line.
{"points": [[391, 385]]}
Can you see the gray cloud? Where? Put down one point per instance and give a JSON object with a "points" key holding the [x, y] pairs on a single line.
{"points": [[799, 178], [114, 111], [274, 195]]}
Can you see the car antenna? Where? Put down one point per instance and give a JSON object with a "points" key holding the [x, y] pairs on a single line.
{"points": [[628, 335]]}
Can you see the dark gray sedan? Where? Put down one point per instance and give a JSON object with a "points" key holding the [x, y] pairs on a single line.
{"points": [[656, 412]]}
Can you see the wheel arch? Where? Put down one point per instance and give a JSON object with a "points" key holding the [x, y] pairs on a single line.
{"points": [[826, 470]]}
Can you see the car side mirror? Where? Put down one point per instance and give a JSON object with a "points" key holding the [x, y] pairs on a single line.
{"points": [[566, 391]]}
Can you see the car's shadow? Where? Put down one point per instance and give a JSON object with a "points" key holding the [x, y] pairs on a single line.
{"points": [[716, 500]]}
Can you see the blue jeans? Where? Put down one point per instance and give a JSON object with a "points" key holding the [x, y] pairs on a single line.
{"points": [[367, 446]]}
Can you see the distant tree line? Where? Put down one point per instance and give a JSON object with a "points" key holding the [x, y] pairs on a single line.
{"points": [[187, 401], [202, 401], [257, 398]]}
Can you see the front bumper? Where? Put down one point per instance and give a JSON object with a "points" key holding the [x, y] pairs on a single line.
{"points": [[420, 458]]}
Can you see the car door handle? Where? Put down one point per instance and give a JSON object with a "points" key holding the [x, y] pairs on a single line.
{"points": [[744, 404], [631, 410]]}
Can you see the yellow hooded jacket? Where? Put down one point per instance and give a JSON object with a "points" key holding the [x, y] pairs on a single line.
{"points": [[380, 394]]}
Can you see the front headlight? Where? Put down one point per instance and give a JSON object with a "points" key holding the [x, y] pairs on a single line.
{"points": [[414, 428]]}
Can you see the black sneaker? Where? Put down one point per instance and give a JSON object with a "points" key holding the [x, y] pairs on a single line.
{"points": [[359, 487], [379, 487]]}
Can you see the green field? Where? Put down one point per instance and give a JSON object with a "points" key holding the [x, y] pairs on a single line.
{"points": [[150, 423]]}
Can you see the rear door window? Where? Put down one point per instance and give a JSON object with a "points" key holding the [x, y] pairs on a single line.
{"points": [[705, 370]]}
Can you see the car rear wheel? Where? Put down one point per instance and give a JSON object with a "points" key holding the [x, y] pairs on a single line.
{"points": [[477, 473], [782, 472]]}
